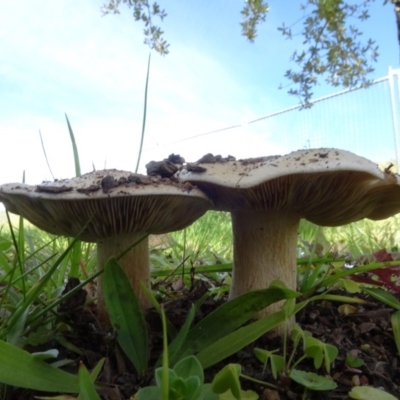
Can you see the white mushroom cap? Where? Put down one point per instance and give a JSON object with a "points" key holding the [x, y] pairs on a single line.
{"points": [[326, 186], [116, 202]]}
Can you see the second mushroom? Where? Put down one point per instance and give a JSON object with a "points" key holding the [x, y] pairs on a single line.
{"points": [[268, 196]]}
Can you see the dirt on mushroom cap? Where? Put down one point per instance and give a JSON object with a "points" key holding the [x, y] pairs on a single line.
{"points": [[111, 202], [326, 186]]}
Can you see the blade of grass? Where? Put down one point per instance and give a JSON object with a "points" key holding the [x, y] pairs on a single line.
{"points": [[144, 115], [36, 289], [77, 250], [74, 148], [45, 154]]}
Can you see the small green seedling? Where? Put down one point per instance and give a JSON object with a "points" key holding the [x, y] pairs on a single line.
{"points": [[321, 353], [353, 362], [312, 381], [185, 381]]}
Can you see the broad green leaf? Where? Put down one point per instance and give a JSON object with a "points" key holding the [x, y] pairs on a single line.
{"points": [[125, 315], [232, 343], [312, 381], [87, 390], [21, 369], [369, 393], [230, 316], [383, 296]]}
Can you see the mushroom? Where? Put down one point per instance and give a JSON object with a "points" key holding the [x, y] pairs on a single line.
{"points": [[119, 209], [268, 196]]}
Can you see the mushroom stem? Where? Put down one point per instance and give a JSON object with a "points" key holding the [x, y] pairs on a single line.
{"points": [[135, 264], [264, 249]]}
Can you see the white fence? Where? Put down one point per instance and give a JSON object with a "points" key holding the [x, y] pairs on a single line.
{"points": [[364, 121]]}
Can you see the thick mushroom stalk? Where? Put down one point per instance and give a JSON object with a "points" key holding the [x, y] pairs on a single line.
{"points": [[265, 243], [116, 208], [135, 264], [267, 197]]}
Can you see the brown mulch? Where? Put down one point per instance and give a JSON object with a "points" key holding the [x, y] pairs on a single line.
{"points": [[365, 334]]}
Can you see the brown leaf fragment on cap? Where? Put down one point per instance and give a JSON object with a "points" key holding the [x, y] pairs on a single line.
{"points": [[163, 168], [195, 168], [53, 189]]}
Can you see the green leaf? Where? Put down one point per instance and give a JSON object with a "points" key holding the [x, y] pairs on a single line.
{"points": [[277, 362], [228, 379], [21, 369], [320, 352], [87, 390], [230, 316], [125, 315], [383, 296], [353, 362], [369, 393], [240, 338], [149, 393], [189, 366], [312, 381]]}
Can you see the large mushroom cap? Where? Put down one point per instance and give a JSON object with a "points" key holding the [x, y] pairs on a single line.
{"points": [[111, 202], [326, 186]]}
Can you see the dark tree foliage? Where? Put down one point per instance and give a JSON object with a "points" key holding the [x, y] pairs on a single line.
{"points": [[333, 47]]}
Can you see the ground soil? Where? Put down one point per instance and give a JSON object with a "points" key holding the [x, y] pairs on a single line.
{"points": [[365, 334]]}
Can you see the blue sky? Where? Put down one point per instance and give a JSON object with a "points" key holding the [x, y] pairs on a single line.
{"points": [[57, 57]]}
